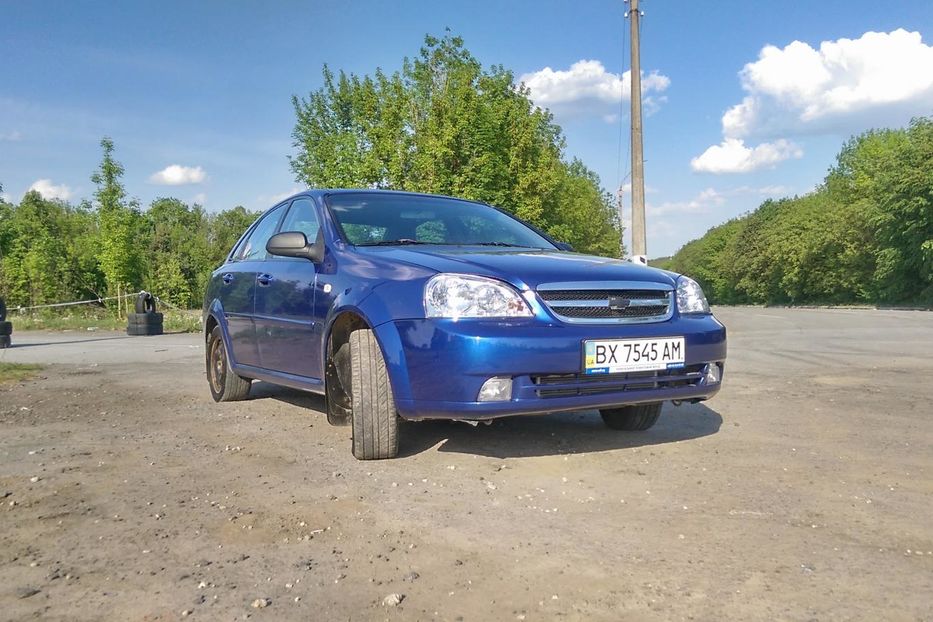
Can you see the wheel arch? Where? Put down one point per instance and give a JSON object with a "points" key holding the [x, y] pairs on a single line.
{"points": [[345, 321], [213, 317]]}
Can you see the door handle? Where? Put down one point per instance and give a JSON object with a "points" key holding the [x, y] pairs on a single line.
{"points": [[264, 279], [227, 278]]}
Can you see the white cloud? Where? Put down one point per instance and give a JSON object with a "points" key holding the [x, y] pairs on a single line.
{"points": [[733, 156], [699, 204], [177, 175], [588, 88], [6, 197], [48, 190], [843, 78], [200, 198], [11, 136], [844, 86]]}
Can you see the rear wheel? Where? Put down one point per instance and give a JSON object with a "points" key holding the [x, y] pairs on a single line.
{"points": [[226, 385], [374, 420], [632, 418]]}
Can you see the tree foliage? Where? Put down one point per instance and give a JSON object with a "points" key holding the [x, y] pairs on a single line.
{"points": [[51, 251], [444, 124], [865, 235]]}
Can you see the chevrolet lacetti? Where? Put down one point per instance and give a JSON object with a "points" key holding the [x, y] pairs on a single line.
{"points": [[398, 305]]}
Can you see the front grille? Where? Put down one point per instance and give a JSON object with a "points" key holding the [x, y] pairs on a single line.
{"points": [[569, 385], [623, 304]]}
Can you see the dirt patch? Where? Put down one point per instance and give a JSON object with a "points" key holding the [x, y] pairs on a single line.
{"points": [[128, 494]]}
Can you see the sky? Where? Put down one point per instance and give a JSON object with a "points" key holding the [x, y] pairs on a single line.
{"points": [[745, 100]]}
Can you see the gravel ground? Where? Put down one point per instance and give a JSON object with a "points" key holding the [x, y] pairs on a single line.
{"points": [[804, 491]]}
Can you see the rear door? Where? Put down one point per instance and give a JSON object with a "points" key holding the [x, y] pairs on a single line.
{"points": [[238, 288], [285, 302]]}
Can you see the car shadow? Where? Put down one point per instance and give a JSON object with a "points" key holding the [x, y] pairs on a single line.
{"points": [[527, 436], [302, 399], [555, 434]]}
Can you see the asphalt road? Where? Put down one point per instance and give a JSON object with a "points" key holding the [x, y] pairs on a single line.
{"points": [[803, 491]]}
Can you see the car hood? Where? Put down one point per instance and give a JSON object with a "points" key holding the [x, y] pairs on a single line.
{"points": [[522, 267]]}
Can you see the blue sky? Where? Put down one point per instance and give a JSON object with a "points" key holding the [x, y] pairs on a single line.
{"points": [[205, 88]]}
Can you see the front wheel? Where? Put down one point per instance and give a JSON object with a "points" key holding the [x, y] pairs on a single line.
{"points": [[632, 418], [226, 385], [372, 405]]}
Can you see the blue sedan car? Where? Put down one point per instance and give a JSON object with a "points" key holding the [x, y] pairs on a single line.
{"points": [[399, 305]]}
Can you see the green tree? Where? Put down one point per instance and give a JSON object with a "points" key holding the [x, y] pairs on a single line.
{"points": [[120, 226], [444, 124], [866, 234]]}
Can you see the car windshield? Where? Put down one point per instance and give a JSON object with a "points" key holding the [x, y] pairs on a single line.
{"points": [[370, 219]]}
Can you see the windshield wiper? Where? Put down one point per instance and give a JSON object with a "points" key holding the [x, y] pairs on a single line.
{"points": [[398, 242]]}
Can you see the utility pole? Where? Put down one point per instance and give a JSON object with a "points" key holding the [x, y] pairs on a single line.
{"points": [[639, 243]]}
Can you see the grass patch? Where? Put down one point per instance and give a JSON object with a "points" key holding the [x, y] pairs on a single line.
{"points": [[97, 318], [14, 372]]}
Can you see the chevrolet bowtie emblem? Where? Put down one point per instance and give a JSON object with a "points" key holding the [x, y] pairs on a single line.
{"points": [[619, 303]]}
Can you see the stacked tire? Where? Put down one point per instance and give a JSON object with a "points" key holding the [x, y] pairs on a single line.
{"points": [[6, 328], [146, 321]]}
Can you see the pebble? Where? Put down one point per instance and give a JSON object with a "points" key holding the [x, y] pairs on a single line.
{"points": [[393, 600], [34, 479], [261, 603], [186, 613], [411, 576], [26, 592]]}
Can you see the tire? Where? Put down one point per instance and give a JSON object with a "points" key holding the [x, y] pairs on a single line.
{"points": [[6, 329], [139, 330], [5, 342], [145, 319], [632, 418], [2, 310], [226, 386], [145, 303], [374, 419]]}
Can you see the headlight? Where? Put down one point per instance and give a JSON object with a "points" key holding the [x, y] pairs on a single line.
{"points": [[459, 295], [690, 298]]}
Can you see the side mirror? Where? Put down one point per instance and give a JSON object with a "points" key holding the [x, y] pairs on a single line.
{"points": [[295, 244], [564, 246]]}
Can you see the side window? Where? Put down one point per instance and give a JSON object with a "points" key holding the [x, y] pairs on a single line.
{"points": [[302, 217], [254, 247]]}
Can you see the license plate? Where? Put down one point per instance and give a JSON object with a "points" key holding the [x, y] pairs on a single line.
{"points": [[613, 356]]}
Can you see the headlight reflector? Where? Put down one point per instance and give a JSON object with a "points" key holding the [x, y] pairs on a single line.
{"points": [[461, 295], [690, 297]]}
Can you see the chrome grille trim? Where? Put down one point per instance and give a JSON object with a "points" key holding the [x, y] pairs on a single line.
{"points": [[645, 302], [587, 302]]}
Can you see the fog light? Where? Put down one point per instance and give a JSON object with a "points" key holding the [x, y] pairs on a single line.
{"points": [[713, 373], [496, 389]]}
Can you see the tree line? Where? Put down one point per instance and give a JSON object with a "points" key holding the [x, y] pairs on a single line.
{"points": [[52, 251], [864, 235]]}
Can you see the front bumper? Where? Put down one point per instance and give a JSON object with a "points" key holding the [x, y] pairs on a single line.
{"points": [[437, 367]]}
